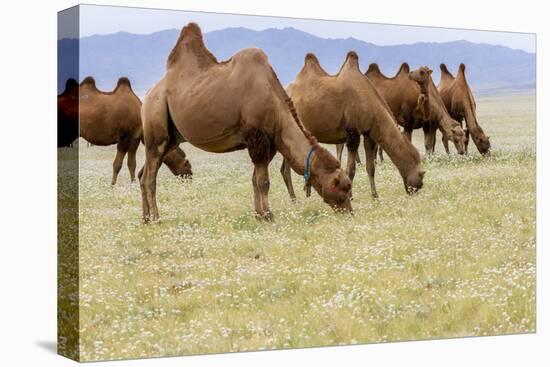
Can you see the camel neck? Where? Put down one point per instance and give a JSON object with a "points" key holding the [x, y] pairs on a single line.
{"points": [[438, 111], [293, 145], [471, 120], [386, 133]]}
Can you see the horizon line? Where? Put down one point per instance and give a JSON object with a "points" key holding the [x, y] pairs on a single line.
{"points": [[302, 31]]}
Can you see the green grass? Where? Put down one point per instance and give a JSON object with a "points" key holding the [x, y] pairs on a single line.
{"points": [[458, 259]]}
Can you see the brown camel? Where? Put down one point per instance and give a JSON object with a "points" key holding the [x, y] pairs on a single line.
{"points": [[460, 102], [67, 114], [340, 108], [114, 118], [111, 118], [225, 106], [416, 103]]}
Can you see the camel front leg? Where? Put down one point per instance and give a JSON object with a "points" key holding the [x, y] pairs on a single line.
{"points": [[370, 152], [428, 139], [121, 150], [287, 178], [148, 183], [339, 151], [466, 141], [445, 142], [132, 159], [260, 183], [380, 153]]}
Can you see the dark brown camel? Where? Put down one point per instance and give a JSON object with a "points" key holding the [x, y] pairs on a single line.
{"points": [[340, 108], [459, 101], [67, 114], [416, 103], [225, 106]]}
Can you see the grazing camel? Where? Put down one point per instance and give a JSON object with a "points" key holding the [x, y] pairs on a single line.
{"points": [[416, 103], [340, 108], [110, 118], [67, 114], [226, 106], [460, 102]]}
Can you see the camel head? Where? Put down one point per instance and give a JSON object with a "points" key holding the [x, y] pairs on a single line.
{"points": [[186, 171], [458, 137], [330, 181], [421, 75], [414, 181], [482, 143], [413, 174]]}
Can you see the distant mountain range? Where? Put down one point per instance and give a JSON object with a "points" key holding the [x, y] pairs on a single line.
{"points": [[142, 58]]}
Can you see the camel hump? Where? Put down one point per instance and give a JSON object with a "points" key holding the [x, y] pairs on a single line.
{"points": [[311, 63], [404, 68], [71, 83], [461, 69], [191, 44], [124, 81], [352, 58], [444, 69], [310, 57], [88, 81], [445, 73], [352, 55], [352, 61], [373, 69], [191, 29]]}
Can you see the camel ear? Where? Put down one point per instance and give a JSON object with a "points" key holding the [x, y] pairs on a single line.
{"points": [[430, 71], [336, 182], [422, 173]]}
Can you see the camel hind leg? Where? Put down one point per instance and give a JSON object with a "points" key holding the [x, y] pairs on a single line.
{"points": [[287, 178], [352, 143], [121, 150], [148, 182], [134, 145], [158, 142]]}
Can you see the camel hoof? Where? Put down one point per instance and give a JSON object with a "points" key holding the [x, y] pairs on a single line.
{"points": [[133, 180], [293, 200], [267, 216], [375, 195]]}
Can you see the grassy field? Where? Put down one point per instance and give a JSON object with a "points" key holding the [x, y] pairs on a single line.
{"points": [[458, 259]]}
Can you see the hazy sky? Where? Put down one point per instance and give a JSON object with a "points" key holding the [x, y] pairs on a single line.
{"points": [[106, 19]]}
